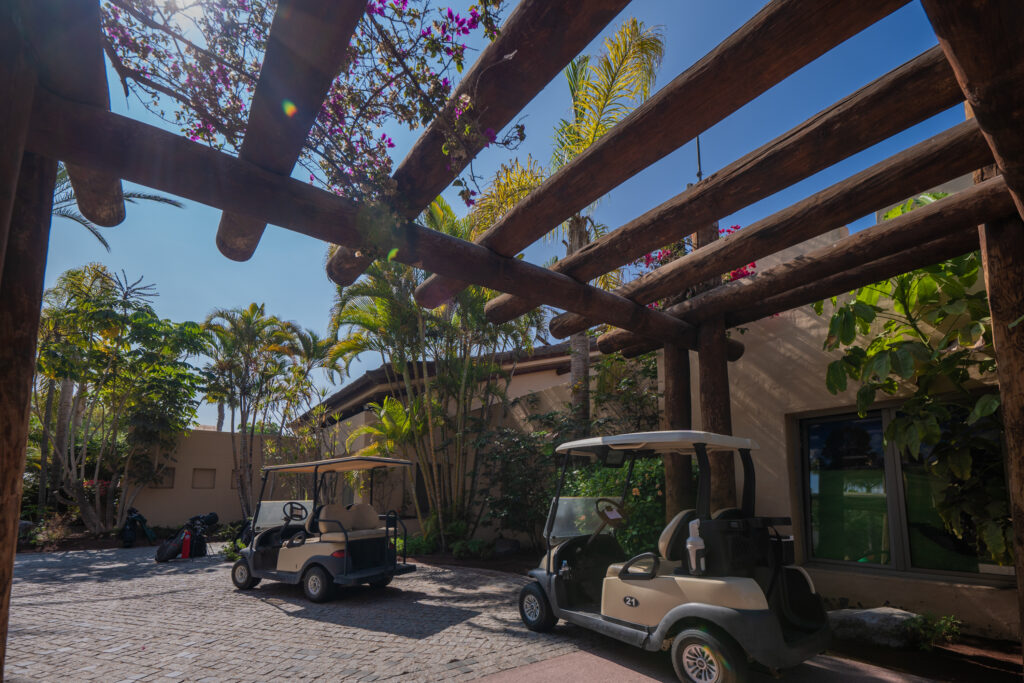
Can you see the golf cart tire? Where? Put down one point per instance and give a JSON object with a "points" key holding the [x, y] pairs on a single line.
{"points": [[695, 644], [379, 583], [535, 610], [242, 576], [317, 584]]}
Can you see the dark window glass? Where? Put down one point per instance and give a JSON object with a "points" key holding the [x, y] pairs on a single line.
{"points": [[846, 481]]}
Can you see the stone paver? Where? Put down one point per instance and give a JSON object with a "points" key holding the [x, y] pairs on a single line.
{"points": [[115, 615]]}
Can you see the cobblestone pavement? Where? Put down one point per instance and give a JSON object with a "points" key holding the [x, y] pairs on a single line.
{"points": [[115, 615]]}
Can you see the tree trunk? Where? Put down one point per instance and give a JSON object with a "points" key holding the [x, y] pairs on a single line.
{"points": [[579, 344], [44, 446], [62, 433], [677, 414], [21, 293], [220, 416]]}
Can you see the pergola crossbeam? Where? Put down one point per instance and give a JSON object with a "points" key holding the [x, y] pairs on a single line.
{"points": [[66, 45], [115, 144], [943, 157], [783, 37], [871, 114], [536, 42], [957, 213], [306, 49]]}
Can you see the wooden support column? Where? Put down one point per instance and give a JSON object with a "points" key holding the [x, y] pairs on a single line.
{"points": [[1002, 253], [677, 414], [16, 84], [715, 408], [21, 293]]}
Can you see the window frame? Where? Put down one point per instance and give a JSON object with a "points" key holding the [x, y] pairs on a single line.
{"points": [[896, 508]]}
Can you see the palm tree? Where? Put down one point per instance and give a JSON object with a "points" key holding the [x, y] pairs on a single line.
{"points": [[65, 203], [248, 347], [603, 92]]}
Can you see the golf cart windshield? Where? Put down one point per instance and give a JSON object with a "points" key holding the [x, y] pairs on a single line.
{"points": [[577, 516]]}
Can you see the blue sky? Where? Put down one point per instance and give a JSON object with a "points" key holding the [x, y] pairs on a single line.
{"points": [[174, 248]]}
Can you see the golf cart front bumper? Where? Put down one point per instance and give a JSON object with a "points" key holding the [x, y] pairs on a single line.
{"points": [[373, 573], [758, 632]]}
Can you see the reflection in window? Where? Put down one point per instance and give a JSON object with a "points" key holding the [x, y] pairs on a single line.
{"points": [[849, 515]]}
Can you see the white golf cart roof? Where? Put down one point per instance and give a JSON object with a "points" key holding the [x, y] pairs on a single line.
{"points": [[661, 442], [347, 464]]}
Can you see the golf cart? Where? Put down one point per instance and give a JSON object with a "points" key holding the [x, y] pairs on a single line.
{"points": [[720, 591], [318, 541]]}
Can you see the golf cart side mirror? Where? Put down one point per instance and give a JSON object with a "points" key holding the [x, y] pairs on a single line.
{"points": [[695, 550]]}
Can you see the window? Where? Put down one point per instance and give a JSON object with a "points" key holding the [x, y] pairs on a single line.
{"points": [[868, 504], [204, 478], [165, 480]]}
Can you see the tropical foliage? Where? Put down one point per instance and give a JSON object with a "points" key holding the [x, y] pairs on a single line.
{"points": [[445, 364], [123, 388], [928, 333]]}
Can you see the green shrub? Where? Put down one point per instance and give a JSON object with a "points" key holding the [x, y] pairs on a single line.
{"points": [[50, 531], [927, 630], [230, 550], [416, 545], [475, 548]]}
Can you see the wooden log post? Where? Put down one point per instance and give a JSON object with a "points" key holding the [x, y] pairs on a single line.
{"points": [[674, 367], [715, 408], [1002, 253], [21, 293], [16, 84], [346, 265]]}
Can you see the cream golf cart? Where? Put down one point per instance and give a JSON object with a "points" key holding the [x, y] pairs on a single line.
{"points": [[720, 591], [317, 540]]}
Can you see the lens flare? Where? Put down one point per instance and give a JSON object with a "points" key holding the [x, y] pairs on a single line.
{"points": [[289, 108]]}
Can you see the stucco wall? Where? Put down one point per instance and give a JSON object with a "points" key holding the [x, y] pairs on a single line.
{"points": [[202, 449]]}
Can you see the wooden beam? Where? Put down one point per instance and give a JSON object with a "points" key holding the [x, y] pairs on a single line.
{"points": [[1002, 253], [16, 84], [781, 38], [345, 265], [539, 38], [66, 43], [22, 286], [918, 256], [983, 202], [716, 409], [984, 42], [873, 113], [306, 49], [941, 158], [115, 144]]}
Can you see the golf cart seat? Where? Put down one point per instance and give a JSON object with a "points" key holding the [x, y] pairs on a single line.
{"points": [[360, 521], [671, 543]]}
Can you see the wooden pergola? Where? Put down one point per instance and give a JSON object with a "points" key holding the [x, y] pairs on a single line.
{"points": [[54, 105]]}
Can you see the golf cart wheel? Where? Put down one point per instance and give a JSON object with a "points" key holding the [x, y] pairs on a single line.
{"points": [[381, 582], [703, 657], [317, 584], [535, 609], [241, 575]]}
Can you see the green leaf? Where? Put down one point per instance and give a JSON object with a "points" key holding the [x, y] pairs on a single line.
{"points": [[863, 311], [902, 362], [912, 439], [960, 464], [995, 540], [819, 308], [877, 365], [985, 406], [955, 307], [835, 378], [865, 398], [847, 327]]}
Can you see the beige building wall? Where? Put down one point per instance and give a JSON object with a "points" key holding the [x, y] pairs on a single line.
{"points": [[201, 482], [780, 379]]}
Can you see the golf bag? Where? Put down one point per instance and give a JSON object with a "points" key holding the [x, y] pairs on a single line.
{"points": [[132, 524], [190, 541]]}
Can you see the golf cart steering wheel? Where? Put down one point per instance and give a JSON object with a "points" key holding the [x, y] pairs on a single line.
{"points": [[295, 512], [612, 514]]}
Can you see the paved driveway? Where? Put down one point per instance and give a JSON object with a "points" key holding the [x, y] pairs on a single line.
{"points": [[115, 615]]}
